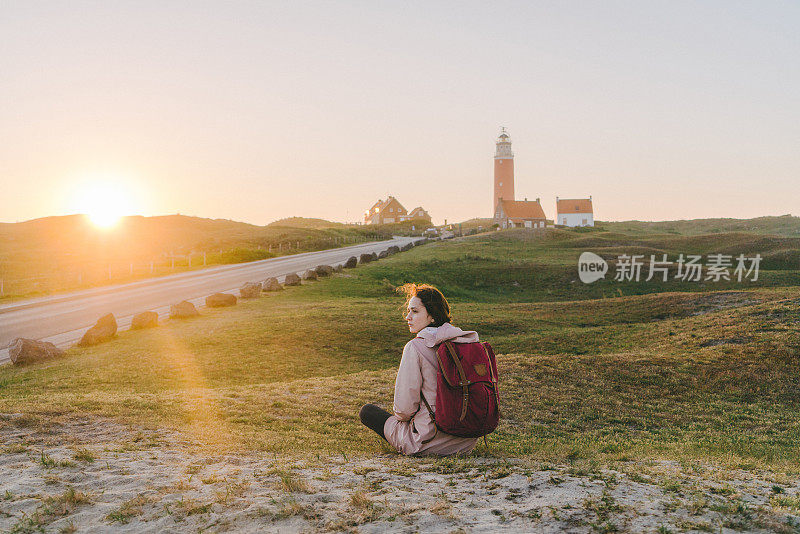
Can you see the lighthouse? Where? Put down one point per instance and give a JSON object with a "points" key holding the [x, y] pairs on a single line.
{"points": [[503, 170]]}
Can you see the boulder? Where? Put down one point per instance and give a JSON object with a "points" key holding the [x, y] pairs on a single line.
{"points": [[394, 249], [291, 280], [250, 290], [147, 319], [365, 258], [183, 310], [407, 246], [23, 350], [219, 300], [339, 268], [309, 275], [272, 284], [374, 256], [324, 270], [351, 262], [103, 330], [383, 254]]}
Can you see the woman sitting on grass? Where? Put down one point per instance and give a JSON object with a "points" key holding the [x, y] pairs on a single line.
{"points": [[410, 429]]}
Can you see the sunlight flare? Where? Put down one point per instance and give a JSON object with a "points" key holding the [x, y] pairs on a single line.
{"points": [[104, 199]]}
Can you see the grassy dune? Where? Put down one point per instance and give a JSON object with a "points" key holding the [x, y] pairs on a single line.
{"points": [[597, 372], [784, 225]]}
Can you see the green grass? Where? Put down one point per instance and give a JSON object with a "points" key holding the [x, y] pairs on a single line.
{"points": [[601, 372], [785, 225]]}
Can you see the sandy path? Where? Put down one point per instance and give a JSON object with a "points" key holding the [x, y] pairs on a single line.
{"points": [[97, 476]]}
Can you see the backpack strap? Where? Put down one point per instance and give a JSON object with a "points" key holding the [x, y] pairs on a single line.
{"points": [[495, 386], [433, 418], [462, 375]]}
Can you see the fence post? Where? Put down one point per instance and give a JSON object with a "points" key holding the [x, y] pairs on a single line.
{"points": [[298, 245], [173, 262]]}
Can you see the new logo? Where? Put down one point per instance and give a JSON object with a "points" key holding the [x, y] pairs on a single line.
{"points": [[591, 267]]}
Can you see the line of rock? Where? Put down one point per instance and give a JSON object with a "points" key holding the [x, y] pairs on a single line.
{"points": [[24, 351]]}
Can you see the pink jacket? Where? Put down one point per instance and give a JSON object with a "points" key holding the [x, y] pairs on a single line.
{"points": [[411, 423]]}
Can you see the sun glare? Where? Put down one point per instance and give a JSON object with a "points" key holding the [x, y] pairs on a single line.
{"points": [[104, 218], [105, 202]]}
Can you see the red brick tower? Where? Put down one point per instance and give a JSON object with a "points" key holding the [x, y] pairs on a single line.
{"points": [[503, 170]]}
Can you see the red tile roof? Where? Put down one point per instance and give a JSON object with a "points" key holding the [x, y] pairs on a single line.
{"points": [[574, 205], [522, 209]]}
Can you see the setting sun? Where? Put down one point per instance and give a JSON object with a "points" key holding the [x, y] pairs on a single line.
{"points": [[103, 201]]}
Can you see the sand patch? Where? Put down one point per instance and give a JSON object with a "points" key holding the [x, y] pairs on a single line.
{"points": [[96, 475], [722, 300]]}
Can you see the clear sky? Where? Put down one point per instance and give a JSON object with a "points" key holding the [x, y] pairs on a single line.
{"points": [[255, 111]]}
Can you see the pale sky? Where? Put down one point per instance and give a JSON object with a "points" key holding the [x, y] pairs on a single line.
{"points": [[256, 111]]}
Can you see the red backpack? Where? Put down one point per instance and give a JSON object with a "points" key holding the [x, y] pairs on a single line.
{"points": [[467, 398]]}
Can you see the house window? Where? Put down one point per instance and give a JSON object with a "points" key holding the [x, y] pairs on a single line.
{"points": [[584, 222], [391, 209], [564, 220]]}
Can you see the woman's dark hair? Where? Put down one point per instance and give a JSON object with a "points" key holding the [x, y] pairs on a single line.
{"points": [[431, 298]]}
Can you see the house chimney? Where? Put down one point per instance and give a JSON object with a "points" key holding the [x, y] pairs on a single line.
{"points": [[590, 197], [526, 199], [538, 199]]}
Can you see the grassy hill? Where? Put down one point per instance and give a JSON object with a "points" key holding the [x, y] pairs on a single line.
{"points": [[607, 372], [784, 225], [306, 222]]}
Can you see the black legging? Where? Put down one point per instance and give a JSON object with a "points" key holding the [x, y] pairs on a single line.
{"points": [[374, 417]]}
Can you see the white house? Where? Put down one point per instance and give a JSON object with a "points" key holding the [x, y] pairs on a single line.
{"points": [[574, 211]]}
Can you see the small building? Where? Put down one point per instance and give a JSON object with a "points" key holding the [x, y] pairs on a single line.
{"points": [[391, 211], [574, 211], [419, 213], [520, 214]]}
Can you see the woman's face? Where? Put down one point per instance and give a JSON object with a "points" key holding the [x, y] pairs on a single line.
{"points": [[417, 316]]}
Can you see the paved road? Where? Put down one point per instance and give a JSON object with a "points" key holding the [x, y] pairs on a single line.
{"points": [[62, 319]]}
